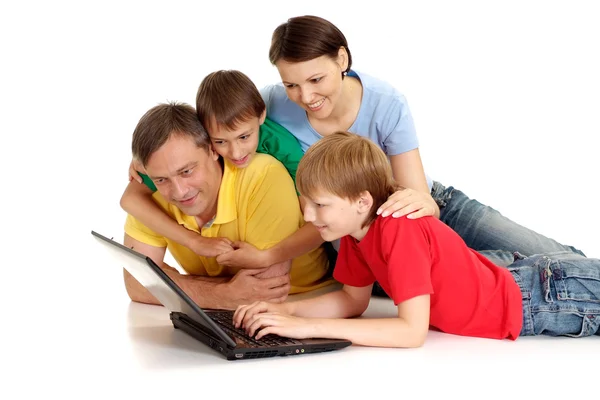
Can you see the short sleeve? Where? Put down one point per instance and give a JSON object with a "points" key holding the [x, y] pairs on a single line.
{"points": [[399, 134], [350, 267], [280, 143], [405, 246], [147, 181], [140, 232]]}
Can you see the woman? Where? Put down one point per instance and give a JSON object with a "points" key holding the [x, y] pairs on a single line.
{"points": [[321, 94]]}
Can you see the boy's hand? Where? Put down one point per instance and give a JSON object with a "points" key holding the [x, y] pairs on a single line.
{"points": [[245, 255], [134, 168], [408, 202], [280, 324], [245, 312], [210, 247]]}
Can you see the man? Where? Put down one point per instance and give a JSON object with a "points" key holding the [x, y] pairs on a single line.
{"points": [[196, 188]]}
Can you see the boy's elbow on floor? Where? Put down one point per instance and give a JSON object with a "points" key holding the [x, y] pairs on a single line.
{"points": [[417, 340]]}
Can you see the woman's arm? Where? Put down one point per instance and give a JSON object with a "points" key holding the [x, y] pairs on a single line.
{"points": [[416, 201]]}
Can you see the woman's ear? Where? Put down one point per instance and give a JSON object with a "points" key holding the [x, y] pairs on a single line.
{"points": [[342, 58]]}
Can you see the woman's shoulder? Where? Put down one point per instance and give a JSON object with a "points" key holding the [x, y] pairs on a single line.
{"points": [[377, 88], [273, 94]]}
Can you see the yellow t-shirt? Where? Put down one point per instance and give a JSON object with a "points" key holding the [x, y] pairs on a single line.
{"points": [[257, 204]]}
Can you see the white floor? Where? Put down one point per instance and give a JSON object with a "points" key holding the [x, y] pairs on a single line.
{"points": [[105, 343]]}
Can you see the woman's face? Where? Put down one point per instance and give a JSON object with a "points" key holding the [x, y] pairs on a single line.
{"points": [[314, 85]]}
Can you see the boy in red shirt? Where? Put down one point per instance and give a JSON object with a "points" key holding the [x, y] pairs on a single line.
{"points": [[423, 266]]}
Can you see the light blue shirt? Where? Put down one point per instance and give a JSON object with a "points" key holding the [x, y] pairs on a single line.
{"points": [[383, 117]]}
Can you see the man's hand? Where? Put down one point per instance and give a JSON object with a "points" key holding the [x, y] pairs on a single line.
{"points": [[210, 247], [246, 288], [245, 255], [280, 269]]}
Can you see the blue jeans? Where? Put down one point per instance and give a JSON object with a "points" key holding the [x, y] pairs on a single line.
{"points": [[487, 231], [561, 294]]}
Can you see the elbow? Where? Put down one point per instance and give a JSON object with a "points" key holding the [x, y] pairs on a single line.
{"points": [[132, 288], [125, 202], [358, 310], [416, 340]]}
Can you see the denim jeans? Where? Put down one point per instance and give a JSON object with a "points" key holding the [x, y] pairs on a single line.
{"points": [[561, 294], [487, 231]]}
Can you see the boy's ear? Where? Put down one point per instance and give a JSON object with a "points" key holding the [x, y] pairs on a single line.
{"points": [[365, 202], [212, 152], [261, 120]]}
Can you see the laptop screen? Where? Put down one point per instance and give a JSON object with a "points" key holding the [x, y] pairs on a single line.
{"points": [[153, 278]]}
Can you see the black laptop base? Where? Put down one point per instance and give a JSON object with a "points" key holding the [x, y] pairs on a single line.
{"points": [[198, 332]]}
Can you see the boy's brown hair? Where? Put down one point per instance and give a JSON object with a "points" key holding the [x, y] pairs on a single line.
{"points": [[160, 122], [345, 165], [228, 98]]}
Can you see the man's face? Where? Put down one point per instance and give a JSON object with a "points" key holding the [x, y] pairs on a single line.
{"points": [[186, 175]]}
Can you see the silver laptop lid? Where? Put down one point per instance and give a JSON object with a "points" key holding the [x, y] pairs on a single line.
{"points": [[153, 278]]}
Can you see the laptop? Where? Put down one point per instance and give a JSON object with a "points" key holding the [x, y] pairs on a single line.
{"points": [[211, 327]]}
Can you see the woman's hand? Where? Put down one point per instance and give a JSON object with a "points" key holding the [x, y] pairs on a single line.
{"points": [[409, 202]]}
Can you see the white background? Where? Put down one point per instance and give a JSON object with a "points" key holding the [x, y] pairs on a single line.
{"points": [[504, 97]]}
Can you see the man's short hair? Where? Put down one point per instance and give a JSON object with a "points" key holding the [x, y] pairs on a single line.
{"points": [[228, 98], [160, 122], [345, 165]]}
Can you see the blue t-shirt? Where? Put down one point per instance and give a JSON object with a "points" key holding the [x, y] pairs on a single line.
{"points": [[383, 117]]}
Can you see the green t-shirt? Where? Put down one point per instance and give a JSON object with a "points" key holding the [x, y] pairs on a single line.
{"points": [[273, 139]]}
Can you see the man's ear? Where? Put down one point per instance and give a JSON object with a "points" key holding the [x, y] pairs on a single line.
{"points": [[365, 202]]}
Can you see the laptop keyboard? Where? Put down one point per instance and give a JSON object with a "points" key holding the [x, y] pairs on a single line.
{"points": [[225, 319]]}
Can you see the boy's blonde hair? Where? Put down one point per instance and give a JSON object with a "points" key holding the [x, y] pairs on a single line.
{"points": [[346, 165]]}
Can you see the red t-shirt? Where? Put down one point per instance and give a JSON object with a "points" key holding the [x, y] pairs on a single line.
{"points": [[470, 295]]}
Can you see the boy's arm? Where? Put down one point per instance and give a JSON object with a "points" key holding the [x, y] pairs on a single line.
{"points": [[348, 302], [137, 201], [298, 243], [409, 329]]}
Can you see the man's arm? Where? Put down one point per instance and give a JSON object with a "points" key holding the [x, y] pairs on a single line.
{"points": [[203, 290], [210, 292]]}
